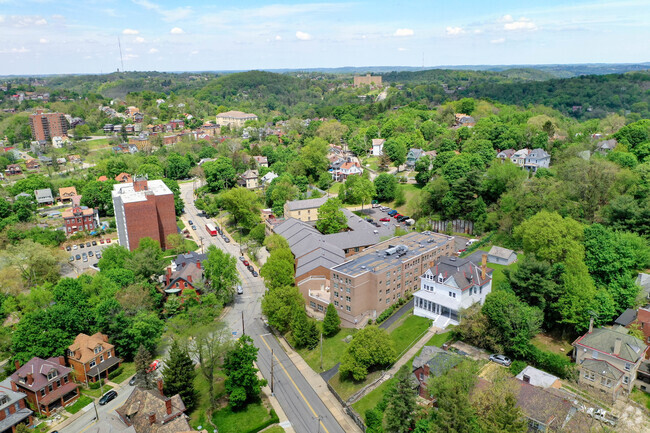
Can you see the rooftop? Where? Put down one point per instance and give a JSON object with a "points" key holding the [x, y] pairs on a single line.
{"points": [[144, 406], [84, 346], [460, 273], [503, 253], [237, 115], [128, 194], [306, 204], [537, 377], [38, 368], [603, 340]]}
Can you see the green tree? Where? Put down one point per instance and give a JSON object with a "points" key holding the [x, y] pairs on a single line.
{"points": [[550, 237], [536, 282], [331, 218], [396, 151], [36, 263], [178, 376], [176, 190], [497, 409], [210, 344], [385, 187], [220, 270], [275, 241], [242, 383], [220, 174], [501, 177], [331, 322], [258, 233], [147, 260], [142, 361], [114, 257], [24, 208], [370, 348], [303, 330], [400, 411], [178, 167], [278, 271], [95, 194], [243, 205], [455, 414], [313, 156], [279, 305]]}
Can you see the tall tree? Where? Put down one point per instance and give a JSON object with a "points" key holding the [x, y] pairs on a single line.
{"points": [[400, 411], [279, 304], [455, 414], [178, 376], [385, 187], [220, 174], [331, 218], [278, 270], [242, 383], [332, 321], [303, 330], [221, 272], [147, 260], [142, 361], [177, 166], [370, 348], [209, 346]]}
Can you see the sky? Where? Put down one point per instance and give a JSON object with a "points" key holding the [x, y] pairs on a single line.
{"points": [[60, 36]]}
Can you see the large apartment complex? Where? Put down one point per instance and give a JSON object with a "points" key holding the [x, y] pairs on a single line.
{"points": [[47, 125], [234, 119], [304, 210], [144, 208], [362, 287]]}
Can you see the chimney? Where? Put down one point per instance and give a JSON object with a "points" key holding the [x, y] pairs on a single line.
{"points": [[17, 364], [169, 275], [77, 354], [152, 417], [189, 278], [591, 325], [62, 360], [617, 346], [160, 387], [198, 265], [30, 378], [483, 266], [168, 405], [13, 386], [104, 338]]}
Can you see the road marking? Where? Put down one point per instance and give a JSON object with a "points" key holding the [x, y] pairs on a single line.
{"points": [[91, 424], [262, 335], [294, 384]]}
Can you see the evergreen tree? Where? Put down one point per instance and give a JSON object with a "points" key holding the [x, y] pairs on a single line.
{"points": [[374, 419], [242, 384], [178, 376], [142, 361], [303, 330], [401, 404], [332, 321]]}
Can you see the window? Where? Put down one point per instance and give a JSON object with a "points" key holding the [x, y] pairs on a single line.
{"points": [[312, 304], [52, 374], [387, 300], [628, 366], [387, 291], [336, 294], [101, 358], [58, 383], [336, 303], [606, 382], [50, 387], [347, 290], [626, 379], [108, 355], [356, 249], [65, 379], [43, 392], [92, 363], [347, 307], [98, 349], [320, 308], [348, 299]]}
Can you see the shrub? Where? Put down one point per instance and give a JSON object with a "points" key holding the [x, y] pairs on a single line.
{"points": [[516, 367], [96, 385], [116, 372], [553, 363]]}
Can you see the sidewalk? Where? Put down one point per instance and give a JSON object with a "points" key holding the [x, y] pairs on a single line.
{"points": [[283, 421], [319, 385]]}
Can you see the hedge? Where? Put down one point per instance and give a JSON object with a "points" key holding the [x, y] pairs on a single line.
{"points": [[116, 372], [96, 385]]}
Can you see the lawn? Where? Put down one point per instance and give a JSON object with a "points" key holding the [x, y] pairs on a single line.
{"points": [[96, 393], [640, 397], [405, 331], [82, 402], [190, 245], [347, 388], [254, 417], [370, 400], [197, 417], [439, 339], [333, 348], [274, 429], [411, 192], [180, 224], [372, 162], [552, 343], [128, 370]]}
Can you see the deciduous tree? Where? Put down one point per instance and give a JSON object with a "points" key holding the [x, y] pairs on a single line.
{"points": [[220, 270], [331, 218], [242, 383]]}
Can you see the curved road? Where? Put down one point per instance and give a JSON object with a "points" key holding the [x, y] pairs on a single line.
{"points": [[303, 407]]}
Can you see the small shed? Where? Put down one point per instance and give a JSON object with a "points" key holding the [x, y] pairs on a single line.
{"points": [[501, 256], [539, 378]]}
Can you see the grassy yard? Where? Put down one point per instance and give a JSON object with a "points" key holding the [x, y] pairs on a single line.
{"points": [[439, 339], [274, 429], [82, 402], [552, 343], [190, 245], [254, 417], [407, 330], [333, 348], [370, 400], [335, 188], [641, 397], [180, 224], [411, 193], [96, 393], [346, 388], [128, 370], [197, 417], [372, 162]]}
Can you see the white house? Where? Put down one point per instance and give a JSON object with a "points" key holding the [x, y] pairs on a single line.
{"points": [[378, 146], [537, 158], [501, 256], [519, 157], [268, 178], [451, 285], [346, 169]]}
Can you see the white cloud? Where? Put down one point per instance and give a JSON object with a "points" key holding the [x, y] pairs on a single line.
{"points": [[403, 32], [506, 19], [478, 31], [130, 56], [402, 49], [176, 31], [522, 23], [167, 14], [278, 37], [195, 52], [139, 40], [43, 41], [40, 22], [153, 50], [498, 41], [130, 32], [454, 31], [303, 36], [14, 50], [2, 18]]}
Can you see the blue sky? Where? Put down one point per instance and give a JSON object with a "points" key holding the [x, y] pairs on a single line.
{"points": [[43, 36]]}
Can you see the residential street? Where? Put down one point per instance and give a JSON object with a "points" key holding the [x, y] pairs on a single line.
{"points": [[297, 398], [87, 419]]}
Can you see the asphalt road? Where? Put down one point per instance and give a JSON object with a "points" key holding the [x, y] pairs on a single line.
{"points": [[304, 409], [87, 419]]}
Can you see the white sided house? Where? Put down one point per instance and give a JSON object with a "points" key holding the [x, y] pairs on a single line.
{"points": [[450, 286]]}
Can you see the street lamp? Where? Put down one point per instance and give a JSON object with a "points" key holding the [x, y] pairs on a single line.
{"points": [[201, 238]]}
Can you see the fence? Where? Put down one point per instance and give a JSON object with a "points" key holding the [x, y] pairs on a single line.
{"points": [[457, 226]]}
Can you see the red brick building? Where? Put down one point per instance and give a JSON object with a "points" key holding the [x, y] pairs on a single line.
{"points": [[47, 125], [79, 219], [92, 357], [144, 208], [46, 382], [13, 408]]}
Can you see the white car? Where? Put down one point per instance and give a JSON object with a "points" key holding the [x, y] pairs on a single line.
{"points": [[470, 242], [240, 290]]}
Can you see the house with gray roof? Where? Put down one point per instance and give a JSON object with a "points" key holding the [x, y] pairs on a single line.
{"points": [[13, 407], [606, 146], [536, 159], [501, 256], [643, 281], [539, 378], [412, 156], [44, 196], [608, 360], [304, 210], [431, 362]]}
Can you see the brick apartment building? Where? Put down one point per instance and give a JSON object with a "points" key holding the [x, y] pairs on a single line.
{"points": [[92, 357], [13, 408], [144, 208], [369, 80], [374, 279], [47, 125], [46, 382], [79, 219]]}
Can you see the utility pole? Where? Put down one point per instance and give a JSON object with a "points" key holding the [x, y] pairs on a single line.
{"points": [[243, 329], [271, 371], [319, 418], [96, 413], [321, 351]]}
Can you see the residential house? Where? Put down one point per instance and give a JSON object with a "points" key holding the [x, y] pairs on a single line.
{"points": [[249, 179], [345, 170], [643, 281], [45, 160], [501, 256], [378, 146], [13, 169], [102, 178], [506, 154], [608, 360], [539, 378], [66, 194], [368, 80], [24, 194], [451, 285], [642, 320], [92, 357], [13, 408], [79, 218], [412, 157], [464, 120], [59, 141], [431, 362], [626, 318], [149, 411], [262, 161], [184, 273], [108, 128], [117, 129], [46, 382], [234, 119], [44, 196], [32, 164], [537, 158], [519, 157], [268, 178], [606, 146], [124, 178], [138, 117], [61, 161], [75, 159], [303, 210]]}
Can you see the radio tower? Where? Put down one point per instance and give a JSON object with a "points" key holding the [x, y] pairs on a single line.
{"points": [[120, 47]]}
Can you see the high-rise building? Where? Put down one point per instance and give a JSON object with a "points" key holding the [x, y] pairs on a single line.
{"points": [[143, 208], [47, 125]]}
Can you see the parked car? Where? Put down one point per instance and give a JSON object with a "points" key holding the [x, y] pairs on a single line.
{"points": [[74, 247], [242, 258], [225, 239], [402, 218], [132, 381], [110, 395], [101, 241], [108, 241], [254, 273], [246, 263], [94, 243], [98, 255], [369, 219], [153, 366], [68, 248], [90, 253], [88, 244], [194, 228], [470, 242], [376, 224], [82, 246], [72, 258], [85, 257], [501, 359], [392, 212], [397, 215], [250, 268], [240, 290], [77, 257], [384, 219], [190, 222]]}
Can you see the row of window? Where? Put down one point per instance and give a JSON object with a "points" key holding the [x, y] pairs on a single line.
{"points": [[101, 359], [50, 387], [347, 307], [605, 381]]}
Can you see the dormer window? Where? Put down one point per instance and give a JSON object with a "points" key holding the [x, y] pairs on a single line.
{"points": [[52, 374], [441, 278], [98, 349]]}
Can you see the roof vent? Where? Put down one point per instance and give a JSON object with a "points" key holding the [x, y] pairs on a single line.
{"points": [[453, 259], [430, 240], [363, 267]]}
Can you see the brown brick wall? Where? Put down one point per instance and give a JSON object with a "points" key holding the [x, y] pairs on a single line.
{"points": [[155, 218]]}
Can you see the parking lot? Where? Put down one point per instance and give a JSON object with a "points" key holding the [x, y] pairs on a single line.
{"points": [[386, 228], [81, 263]]}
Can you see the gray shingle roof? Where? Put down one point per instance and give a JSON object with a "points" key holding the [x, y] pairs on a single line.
{"points": [[320, 257], [460, 271], [537, 377], [43, 195], [603, 368], [306, 204], [438, 360], [502, 253], [603, 339], [626, 318]]}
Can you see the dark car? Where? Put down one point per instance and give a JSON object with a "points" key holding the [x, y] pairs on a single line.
{"points": [[254, 273], [98, 255], [110, 395], [246, 263], [376, 224], [194, 228], [225, 239], [68, 248], [132, 381], [190, 222], [369, 220], [82, 246], [90, 253], [242, 258], [392, 212], [250, 268], [88, 244], [77, 257], [501, 359], [402, 218], [94, 243]]}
